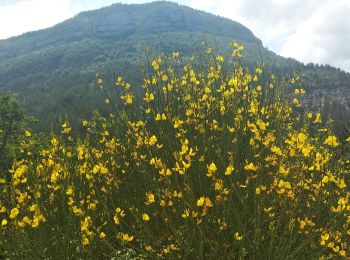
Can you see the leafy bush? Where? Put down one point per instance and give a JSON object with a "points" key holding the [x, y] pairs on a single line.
{"points": [[12, 124], [210, 162]]}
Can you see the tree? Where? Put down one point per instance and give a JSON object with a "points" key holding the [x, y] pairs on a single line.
{"points": [[12, 124]]}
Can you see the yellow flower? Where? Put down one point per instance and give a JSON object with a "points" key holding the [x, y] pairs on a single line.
{"points": [[155, 65], [149, 248], [14, 212], [238, 237], [250, 167], [127, 98], [153, 140], [100, 82], [177, 123], [102, 235], [149, 198], [27, 133], [325, 179], [77, 211], [32, 207], [149, 97], [186, 165], [219, 58], [66, 128], [211, 169], [165, 78], [296, 102], [36, 220], [219, 185], [186, 213], [21, 224], [257, 191], [318, 118], [284, 184], [276, 150], [4, 222], [302, 224], [261, 124], [200, 201], [204, 202], [84, 224], [69, 191], [116, 219], [158, 117], [283, 171], [120, 212], [126, 238], [85, 241], [26, 220], [145, 217], [208, 202], [229, 170], [331, 141], [324, 239], [119, 80]]}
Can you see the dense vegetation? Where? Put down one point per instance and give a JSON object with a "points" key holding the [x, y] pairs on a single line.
{"points": [[189, 155], [210, 161], [12, 125], [53, 70]]}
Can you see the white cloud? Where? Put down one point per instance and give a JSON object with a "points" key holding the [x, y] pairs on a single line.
{"points": [[308, 30], [20, 16], [29, 15], [324, 37]]}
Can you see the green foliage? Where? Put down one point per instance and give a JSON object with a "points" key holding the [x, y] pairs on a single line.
{"points": [[12, 123], [208, 161]]}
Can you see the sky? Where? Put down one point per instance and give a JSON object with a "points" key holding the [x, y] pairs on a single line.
{"points": [[308, 30]]}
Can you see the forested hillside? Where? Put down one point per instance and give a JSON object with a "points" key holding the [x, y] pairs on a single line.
{"points": [[53, 70]]}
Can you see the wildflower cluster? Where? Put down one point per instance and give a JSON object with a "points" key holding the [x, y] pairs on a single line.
{"points": [[206, 162]]}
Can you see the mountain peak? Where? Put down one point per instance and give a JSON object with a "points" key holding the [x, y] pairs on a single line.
{"points": [[120, 21], [160, 16], [124, 20]]}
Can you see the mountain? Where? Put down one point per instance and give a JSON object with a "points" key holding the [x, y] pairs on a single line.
{"points": [[53, 70]]}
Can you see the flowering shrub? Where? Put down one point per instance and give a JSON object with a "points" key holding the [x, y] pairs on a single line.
{"points": [[209, 162]]}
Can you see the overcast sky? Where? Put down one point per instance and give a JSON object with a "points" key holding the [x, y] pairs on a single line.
{"points": [[309, 30]]}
